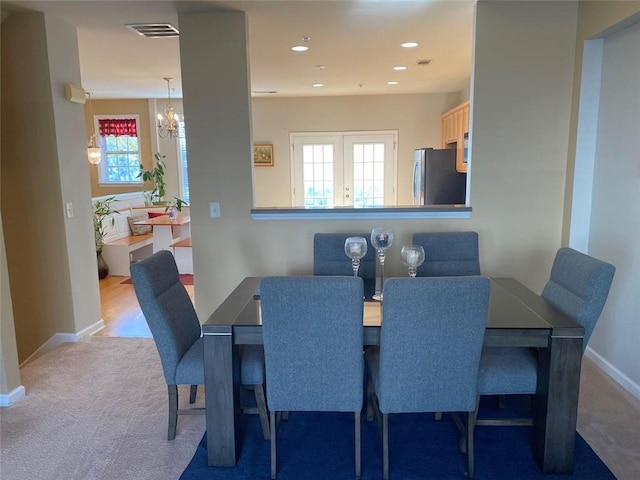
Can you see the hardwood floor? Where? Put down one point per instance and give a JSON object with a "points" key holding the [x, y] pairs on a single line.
{"points": [[120, 310]]}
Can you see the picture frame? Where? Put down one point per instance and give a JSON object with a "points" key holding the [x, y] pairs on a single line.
{"points": [[263, 155]]}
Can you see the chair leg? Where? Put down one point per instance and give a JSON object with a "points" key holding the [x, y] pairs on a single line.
{"points": [[262, 410], [358, 445], [385, 446], [370, 394], [272, 416], [471, 425], [173, 411], [470, 429], [192, 393]]}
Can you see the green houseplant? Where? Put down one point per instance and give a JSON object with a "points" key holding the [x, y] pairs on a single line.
{"points": [[102, 210], [156, 176]]}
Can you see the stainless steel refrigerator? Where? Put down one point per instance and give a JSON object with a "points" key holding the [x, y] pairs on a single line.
{"points": [[435, 179]]}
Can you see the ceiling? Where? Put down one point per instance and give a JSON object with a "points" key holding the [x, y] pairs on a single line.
{"points": [[357, 41]]}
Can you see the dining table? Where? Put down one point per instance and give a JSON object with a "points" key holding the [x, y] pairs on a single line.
{"points": [[517, 317], [167, 230]]}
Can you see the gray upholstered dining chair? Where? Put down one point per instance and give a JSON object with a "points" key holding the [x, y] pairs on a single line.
{"points": [[448, 254], [176, 331], [312, 332], [578, 286], [329, 258], [430, 344]]}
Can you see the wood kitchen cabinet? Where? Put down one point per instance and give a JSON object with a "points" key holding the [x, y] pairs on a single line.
{"points": [[455, 124]]}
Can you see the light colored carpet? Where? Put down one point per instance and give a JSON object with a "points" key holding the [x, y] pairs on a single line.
{"points": [[96, 409]]}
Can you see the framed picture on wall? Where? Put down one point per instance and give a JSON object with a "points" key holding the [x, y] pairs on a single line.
{"points": [[263, 155]]}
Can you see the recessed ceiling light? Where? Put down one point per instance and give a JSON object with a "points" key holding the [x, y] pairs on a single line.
{"points": [[299, 48], [392, 83], [409, 44], [399, 68], [317, 84]]}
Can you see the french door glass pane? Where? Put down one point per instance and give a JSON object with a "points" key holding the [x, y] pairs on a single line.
{"points": [[368, 174], [352, 167], [318, 167]]}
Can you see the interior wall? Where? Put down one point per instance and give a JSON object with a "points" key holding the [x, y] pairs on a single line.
{"points": [[167, 146], [521, 121], [615, 226], [138, 107], [9, 373], [416, 117], [50, 258], [595, 17], [73, 168]]}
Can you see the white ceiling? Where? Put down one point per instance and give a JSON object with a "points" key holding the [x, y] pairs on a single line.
{"points": [[358, 41]]}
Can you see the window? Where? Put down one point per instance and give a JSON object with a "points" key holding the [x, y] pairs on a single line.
{"points": [[118, 137], [344, 169], [182, 158]]}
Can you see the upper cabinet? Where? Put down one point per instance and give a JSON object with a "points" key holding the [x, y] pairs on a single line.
{"points": [[455, 124]]}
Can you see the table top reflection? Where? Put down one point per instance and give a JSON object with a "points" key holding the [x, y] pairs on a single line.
{"points": [[517, 316]]}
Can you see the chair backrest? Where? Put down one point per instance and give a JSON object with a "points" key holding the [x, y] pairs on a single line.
{"points": [[167, 307], [448, 254], [312, 332], [430, 345], [579, 286], [329, 258]]}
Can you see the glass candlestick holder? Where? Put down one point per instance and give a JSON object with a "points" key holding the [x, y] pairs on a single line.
{"points": [[412, 256], [355, 248], [381, 239]]}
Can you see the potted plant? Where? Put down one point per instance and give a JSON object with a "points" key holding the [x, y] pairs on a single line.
{"points": [[156, 176], [174, 207], [102, 209], [156, 196]]}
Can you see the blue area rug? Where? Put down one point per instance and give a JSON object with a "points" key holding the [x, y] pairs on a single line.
{"points": [[321, 446]]}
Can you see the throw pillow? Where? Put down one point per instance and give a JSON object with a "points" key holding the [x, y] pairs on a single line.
{"points": [[157, 214], [139, 229]]}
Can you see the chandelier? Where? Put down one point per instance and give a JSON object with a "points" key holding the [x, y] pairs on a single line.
{"points": [[168, 124], [94, 152]]}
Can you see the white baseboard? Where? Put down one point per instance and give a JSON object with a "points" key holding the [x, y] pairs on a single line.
{"points": [[14, 396], [60, 338], [91, 329], [624, 381]]}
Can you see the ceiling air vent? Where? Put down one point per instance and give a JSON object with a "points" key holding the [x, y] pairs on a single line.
{"points": [[154, 30], [424, 63]]}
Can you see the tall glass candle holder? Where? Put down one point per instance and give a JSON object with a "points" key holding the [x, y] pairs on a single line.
{"points": [[381, 239], [355, 248]]}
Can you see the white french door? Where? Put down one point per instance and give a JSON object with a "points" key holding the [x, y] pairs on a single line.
{"points": [[343, 169]]}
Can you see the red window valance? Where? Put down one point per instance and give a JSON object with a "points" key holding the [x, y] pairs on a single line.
{"points": [[118, 127]]}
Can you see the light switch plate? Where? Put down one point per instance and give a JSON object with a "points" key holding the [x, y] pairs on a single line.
{"points": [[69, 209], [214, 210]]}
